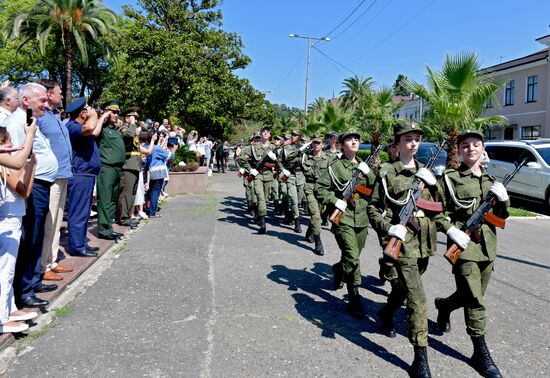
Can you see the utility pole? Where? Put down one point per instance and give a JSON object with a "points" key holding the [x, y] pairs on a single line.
{"points": [[309, 39]]}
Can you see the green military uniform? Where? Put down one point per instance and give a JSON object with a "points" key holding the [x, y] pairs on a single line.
{"points": [[130, 169], [251, 200], [291, 160], [112, 155]]}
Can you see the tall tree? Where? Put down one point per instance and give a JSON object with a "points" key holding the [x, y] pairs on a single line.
{"points": [[457, 96], [73, 24], [399, 86], [354, 88]]}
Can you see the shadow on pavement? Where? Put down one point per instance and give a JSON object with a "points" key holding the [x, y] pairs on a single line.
{"points": [[329, 313]]}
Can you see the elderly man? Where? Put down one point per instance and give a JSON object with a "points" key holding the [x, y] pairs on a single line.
{"points": [[8, 102], [84, 127], [112, 153], [58, 137], [27, 271]]}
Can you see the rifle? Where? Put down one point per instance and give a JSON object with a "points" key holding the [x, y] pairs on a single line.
{"points": [[354, 186], [482, 213], [393, 248], [263, 162]]}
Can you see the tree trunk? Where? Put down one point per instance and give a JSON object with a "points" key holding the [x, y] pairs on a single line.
{"points": [[69, 57], [452, 150]]}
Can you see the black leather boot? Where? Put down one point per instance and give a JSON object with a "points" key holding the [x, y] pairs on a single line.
{"points": [[443, 315], [261, 223], [385, 316], [319, 250], [309, 235], [355, 307], [481, 359], [420, 367], [297, 226], [338, 276]]}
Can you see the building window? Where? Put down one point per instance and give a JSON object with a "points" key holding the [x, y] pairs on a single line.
{"points": [[489, 103], [509, 93], [532, 82], [530, 132]]}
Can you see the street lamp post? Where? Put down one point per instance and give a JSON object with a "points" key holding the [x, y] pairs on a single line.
{"points": [[309, 39]]}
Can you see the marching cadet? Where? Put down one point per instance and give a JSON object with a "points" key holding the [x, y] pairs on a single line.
{"points": [[465, 189], [314, 164], [351, 232], [391, 192], [260, 163], [130, 169], [251, 201], [332, 150], [276, 192]]}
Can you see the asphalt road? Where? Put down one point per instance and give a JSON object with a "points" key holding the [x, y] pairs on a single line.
{"points": [[199, 293]]}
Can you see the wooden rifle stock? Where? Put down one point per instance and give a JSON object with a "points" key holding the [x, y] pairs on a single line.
{"points": [[453, 252], [336, 216], [393, 248]]}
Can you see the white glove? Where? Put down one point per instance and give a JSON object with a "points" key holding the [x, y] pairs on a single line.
{"points": [[364, 167], [286, 173], [398, 230], [241, 171], [341, 205], [254, 172], [459, 237], [272, 156], [304, 147], [426, 175], [500, 191]]}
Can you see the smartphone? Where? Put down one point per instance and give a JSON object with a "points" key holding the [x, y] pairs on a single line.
{"points": [[29, 117]]}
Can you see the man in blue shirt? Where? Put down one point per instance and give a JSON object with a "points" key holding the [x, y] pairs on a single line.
{"points": [[58, 136], [84, 127], [27, 270]]}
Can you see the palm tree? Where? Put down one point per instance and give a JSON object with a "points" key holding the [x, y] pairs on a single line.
{"points": [[317, 105], [355, 88], [457, 96], [332, 118], [74, 25]]}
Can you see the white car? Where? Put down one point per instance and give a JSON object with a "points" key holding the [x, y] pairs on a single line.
{"points": [[532, 182]]}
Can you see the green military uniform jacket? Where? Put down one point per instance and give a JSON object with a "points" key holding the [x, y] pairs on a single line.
{"points": [[392, 185], [131, 145], [333, 155], [251, 157], [111, 146], [314, 167], [329, 188], [464, 192]]}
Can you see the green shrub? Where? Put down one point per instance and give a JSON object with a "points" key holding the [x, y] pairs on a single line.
{"points": [[183, 153], [363, 155]]}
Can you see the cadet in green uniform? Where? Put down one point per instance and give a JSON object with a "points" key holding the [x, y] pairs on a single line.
{"points": [[130, 169], [314, 164], [333, 152], [263, 176], [251, 201], [391, 192], [112, 155], [275, 189], [352, 230], [465, 189]]}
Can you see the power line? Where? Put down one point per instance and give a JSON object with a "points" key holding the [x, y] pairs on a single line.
{"points": [[334, 61], [344, 20], [357, 19], [289, 72]]}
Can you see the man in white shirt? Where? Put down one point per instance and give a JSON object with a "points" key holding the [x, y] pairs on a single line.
{"points": [[8, 102]]}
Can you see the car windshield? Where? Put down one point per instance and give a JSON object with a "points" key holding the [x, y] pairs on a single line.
{"points": [[426, 150], [545, 153]]}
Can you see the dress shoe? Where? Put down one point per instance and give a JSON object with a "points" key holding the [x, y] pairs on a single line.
{"points": [[43, 288], [112, 236], [21, 316], [51, 276], [84, 253], [13, 327], [33, 301], [92, 249], [119, 234], [61, 269], [130, 224]]}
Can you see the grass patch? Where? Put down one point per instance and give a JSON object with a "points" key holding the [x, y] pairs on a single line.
{"points": [[32, 336], [518, 212], [120, 250], [62, 311], [207, 208]]}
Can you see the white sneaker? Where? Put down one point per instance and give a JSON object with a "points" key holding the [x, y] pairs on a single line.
{"points": [[13, 327], [23, 316], [165, 194], [143, 215]]}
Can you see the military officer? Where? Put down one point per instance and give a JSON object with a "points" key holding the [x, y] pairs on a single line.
{"points": [[352, 230], [391, 192], [465, 189], [314, 164], [130, 169], [112, 153]]}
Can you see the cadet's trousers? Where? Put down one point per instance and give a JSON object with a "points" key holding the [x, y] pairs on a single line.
{"points": [[128, 189], [472, 279], [314, 210], [295, 189], [351, 241], [108, 190], [262, 184], [250, 195], [409, 272], [79, 194], [58, 199]]}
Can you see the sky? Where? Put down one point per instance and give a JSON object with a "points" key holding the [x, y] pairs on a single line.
{"points": [[372, 38]]}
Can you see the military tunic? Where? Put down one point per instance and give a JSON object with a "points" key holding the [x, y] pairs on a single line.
{"points": [[291, 159], [112, 156], [130, 172], [314, 167], [352, 231], [390, 192], [464, 192], [248, 186]]}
